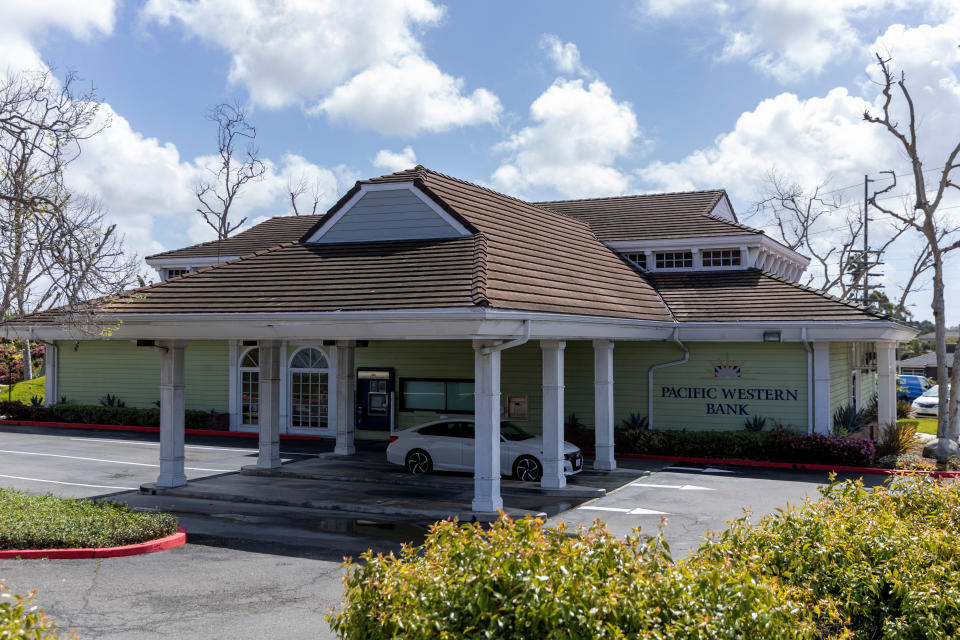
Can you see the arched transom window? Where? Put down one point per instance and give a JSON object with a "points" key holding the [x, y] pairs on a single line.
{"points": [[250, 387], [309, 378]]}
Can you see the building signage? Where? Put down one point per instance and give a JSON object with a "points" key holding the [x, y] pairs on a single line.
{"points": [[727, 400]]}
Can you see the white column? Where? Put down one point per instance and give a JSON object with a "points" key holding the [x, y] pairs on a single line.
{"points": [[234, 394], [603, 404], [486, 452], [553, 476], [51, 372], [284, 391], [821, 388], [886, 384], [172, 376], [269, 409], [346, 398]]}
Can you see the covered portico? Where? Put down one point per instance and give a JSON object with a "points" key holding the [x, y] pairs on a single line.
{"points": [[489, 332]]}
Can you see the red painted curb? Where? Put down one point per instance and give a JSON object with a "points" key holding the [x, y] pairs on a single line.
{"points": [[795, 466], [119, 427], [151, 546]]}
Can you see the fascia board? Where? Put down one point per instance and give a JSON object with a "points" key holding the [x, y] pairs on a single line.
{"points": [[856, 331], [176, 263]]}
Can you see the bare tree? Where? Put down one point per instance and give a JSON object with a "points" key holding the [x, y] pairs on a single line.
{"points": [[802, 216], [218, 195], [301, 188], [940, 240], [55, 247]]}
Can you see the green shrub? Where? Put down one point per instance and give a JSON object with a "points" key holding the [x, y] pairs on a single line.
{"points": [[847, 420], [775, 446], [755, 423], [887, 558], [99, 414], [49, 522], [21, 618], [898, 438], [904, 409], [635, 421], [522, 580]]}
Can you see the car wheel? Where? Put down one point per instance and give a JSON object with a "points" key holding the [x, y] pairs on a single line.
{"points": [[419, 462], [527, 469]]}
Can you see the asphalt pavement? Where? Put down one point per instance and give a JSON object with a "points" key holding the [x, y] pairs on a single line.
{"points": [[258, 570]]}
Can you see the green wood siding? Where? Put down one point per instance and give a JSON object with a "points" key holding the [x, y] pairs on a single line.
{"points": [[132, 373], [841, 390]]}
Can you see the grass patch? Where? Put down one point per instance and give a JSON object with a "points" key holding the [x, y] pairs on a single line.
{"points": [[48, 522], [926, 425], [24, 390]]}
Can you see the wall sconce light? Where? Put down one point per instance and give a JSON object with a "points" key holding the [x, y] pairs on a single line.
{"points": [[771, 336]]}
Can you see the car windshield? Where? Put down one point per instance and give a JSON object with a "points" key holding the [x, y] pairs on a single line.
{"points": [[933, 392], [512, 432]]}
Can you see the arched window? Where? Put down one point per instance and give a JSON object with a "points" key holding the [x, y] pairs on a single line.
{"points": [[309, 400], [250, 387]]}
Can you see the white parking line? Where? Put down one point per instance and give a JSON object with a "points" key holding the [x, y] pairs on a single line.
{"points": [[197, 446], [681, 487], [157, 444], [136, 464], [630, 512], [73, 484], [706, 470]]}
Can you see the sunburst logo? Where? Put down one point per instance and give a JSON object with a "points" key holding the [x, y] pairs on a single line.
{"points": [[726, 369]]}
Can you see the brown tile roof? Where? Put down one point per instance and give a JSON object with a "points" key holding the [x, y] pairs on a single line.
{"points": [[522, 257], [538, 260], [652, 217], [267, 234], [750, 295]]}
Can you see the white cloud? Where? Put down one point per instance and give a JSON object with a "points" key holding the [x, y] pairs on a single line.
{"points": [[356, 60], [22, 23], [565, 56], [785, 39], [395, 161], [577, 135], [408, 97]]}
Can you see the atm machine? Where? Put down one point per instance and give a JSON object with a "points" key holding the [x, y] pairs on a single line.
{"points": [[375, 399]]}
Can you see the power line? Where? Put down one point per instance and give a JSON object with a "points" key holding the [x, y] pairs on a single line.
{"points": [[860, 184]]}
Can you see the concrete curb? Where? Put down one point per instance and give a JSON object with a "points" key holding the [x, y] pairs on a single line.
{"points": [[151, 546], [120, 427], [795, 466], [389, 511], [283, 472]]}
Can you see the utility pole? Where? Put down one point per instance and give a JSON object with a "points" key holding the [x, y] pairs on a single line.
{"points": [[866, 241]]}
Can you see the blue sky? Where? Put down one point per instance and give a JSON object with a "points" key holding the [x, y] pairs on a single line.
{"points": [[538, 99]]}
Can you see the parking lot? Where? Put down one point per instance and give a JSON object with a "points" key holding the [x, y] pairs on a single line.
{"points": [[253, 569]]}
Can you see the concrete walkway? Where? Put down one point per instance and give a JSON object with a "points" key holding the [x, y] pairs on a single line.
{"points": [[365, 484]]}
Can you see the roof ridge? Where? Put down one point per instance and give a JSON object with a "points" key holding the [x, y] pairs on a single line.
{"points": [[478, 290], [635, 195]]}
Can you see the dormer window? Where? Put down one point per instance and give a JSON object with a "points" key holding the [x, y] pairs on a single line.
{"points": [[171, 273], [674, 260], [639, 259], [721, 258]]}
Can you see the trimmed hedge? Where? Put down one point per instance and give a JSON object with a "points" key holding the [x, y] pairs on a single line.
{"points": [[774, 446], [50, 522], [518, 579], [887, 558], [880, 563], [20, 617], [98, 414]]}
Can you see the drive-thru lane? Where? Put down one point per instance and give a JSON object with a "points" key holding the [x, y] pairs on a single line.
{"points": [[86, 464], [690, 500]]}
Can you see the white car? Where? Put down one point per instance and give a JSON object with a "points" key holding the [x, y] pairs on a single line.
{"points": [[448, 445], [928, 403]]}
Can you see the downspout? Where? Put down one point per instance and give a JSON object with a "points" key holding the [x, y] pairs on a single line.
{"points": [[685, 358], [516, 342], [806, 345]]}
